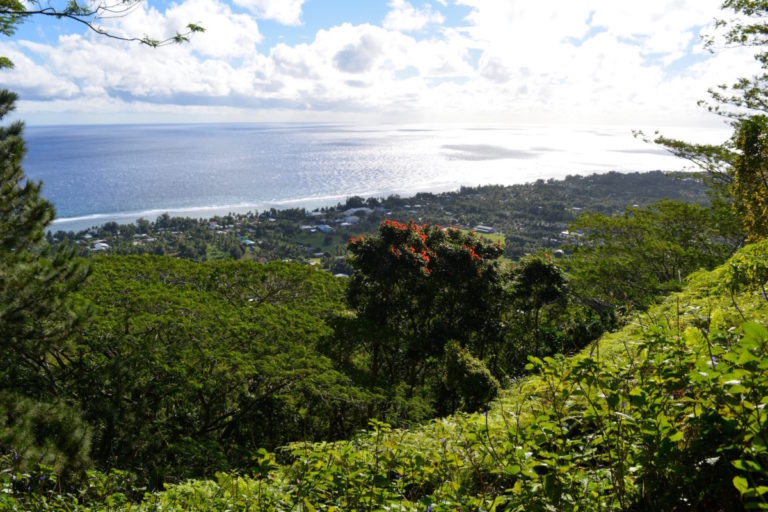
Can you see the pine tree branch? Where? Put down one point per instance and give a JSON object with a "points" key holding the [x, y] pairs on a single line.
{"points": [[87, 17]]}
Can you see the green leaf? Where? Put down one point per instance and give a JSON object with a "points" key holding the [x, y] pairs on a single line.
{"points": [[741, 484], [755, 331], [676, 437], [745, 356], [747, 465]]}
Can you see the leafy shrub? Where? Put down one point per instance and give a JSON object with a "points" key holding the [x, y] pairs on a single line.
{"points": [[468, 378]]}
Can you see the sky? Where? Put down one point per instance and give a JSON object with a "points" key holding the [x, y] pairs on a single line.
{"points": [[601, 62]]}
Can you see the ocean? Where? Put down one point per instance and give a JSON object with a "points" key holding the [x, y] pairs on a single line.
{"points": [[100, 173]]}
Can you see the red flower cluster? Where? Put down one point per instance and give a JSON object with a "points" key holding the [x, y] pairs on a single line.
{"points": [[472, 253], [394, 224]]}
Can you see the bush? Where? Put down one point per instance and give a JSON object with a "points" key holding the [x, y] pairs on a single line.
{"points": [[467, 378]]}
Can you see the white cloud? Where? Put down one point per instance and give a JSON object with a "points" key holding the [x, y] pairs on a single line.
{"points": [[287, 12], [510, 60], [605, 59], [406, 18], [494, 68], [227, 34], [359, 57], [292, 62], [36, 80]]}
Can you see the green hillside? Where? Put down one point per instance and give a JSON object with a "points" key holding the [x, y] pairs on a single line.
{"points": [[665, 414], [668, 413]]}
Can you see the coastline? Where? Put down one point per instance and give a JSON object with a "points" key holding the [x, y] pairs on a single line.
{"points": [[95, 176], [87, 221]]}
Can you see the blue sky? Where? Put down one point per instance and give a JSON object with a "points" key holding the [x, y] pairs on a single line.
{"points": [[405, 61]]}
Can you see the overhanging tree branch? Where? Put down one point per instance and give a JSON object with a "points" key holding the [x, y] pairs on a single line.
{"points": [[13, 12]]}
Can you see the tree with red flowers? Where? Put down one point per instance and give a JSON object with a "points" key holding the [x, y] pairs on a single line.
{"points": [[418, 286]]}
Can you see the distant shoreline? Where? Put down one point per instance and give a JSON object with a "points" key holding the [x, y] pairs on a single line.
{"points": [[84, 222], [122, 173], [79, 223]]}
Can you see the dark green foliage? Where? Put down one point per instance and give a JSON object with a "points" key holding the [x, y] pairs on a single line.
{"points": [[36, 318], [667, 414], [33, 287], [35, 435], [750, 175], [34, 314], [187, 368], [532, 216], [536, 282], [545, 316], [628, 260], [415, 287], [468, 378]]}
